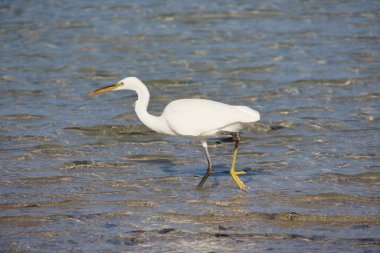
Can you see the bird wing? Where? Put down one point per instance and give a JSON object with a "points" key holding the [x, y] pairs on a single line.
{"points": [[197, 117]]}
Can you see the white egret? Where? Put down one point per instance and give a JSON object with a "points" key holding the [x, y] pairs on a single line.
{"points": [[197, 118]]}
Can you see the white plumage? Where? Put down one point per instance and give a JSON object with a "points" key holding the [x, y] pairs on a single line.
{"points": [[205, 118]]}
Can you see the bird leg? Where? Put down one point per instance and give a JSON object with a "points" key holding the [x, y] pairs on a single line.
{"points": [[210, 167], [234, 173]]}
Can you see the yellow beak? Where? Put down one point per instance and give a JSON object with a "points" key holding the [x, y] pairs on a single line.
{"points": [[104, 89]]}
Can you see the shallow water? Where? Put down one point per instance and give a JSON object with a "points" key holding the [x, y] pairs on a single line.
{"points": [[80, 172]]}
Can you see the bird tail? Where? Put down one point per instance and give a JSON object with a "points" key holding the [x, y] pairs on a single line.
{"points": [[250, 114]]}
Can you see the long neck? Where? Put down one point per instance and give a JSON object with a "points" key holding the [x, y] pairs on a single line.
{"points": [[155, 123]]}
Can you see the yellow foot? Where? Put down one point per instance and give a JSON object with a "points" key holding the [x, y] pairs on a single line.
{"points": [[237, 180]]}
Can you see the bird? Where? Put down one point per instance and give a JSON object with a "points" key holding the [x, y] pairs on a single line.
{"points": [[199, 119]]}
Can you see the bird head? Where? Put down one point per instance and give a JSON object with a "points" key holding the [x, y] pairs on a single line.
{"points": [[128, 83]]}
